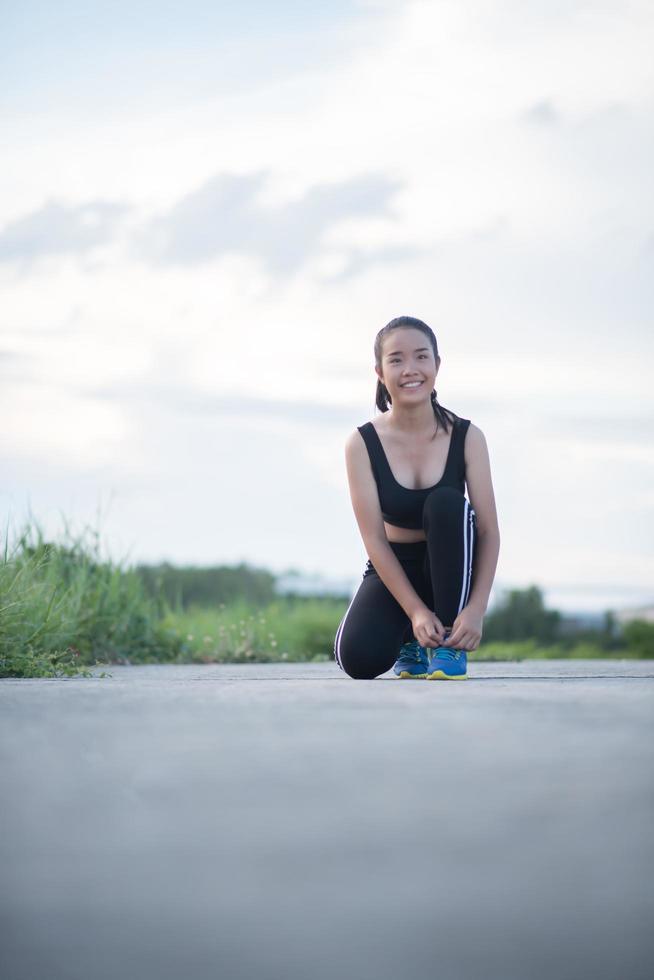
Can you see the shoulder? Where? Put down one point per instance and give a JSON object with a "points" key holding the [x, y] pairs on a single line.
{"points": [[355, 443], [475, 440], [475, 433], [360, 464], [359, 436]]}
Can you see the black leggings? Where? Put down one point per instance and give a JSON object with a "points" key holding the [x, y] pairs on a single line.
{"points": [[375, 626]]}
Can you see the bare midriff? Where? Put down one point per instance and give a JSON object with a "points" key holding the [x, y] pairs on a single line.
{"points": [[403, 534]]}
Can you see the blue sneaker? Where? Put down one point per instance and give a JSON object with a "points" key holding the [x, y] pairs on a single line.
{"points": [[446, 664], [412, 661]]}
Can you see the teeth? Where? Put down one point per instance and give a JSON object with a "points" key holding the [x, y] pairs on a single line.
{"points": [[412, 384]]}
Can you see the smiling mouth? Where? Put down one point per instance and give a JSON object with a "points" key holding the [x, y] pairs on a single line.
{"points": [[411, 384]]}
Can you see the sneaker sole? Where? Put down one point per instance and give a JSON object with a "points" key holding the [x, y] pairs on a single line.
{"points": [[405, 675], [440, 675]]}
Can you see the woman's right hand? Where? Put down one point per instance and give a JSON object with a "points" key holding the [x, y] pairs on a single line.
{"points": [[427, 628]]}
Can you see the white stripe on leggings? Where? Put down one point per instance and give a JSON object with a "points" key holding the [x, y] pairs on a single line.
{"points": [[468, 547], [471, 538], [339, 632]]}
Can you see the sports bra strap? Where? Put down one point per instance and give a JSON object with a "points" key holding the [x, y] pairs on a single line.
{"points": [[375, 451], [455, 461]]}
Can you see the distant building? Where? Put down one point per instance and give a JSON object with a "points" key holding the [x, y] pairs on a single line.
{"points": [[624, 616], [299, 583], [578, 622]]}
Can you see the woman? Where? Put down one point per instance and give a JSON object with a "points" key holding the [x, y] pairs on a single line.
{"points": [[432, 553]]}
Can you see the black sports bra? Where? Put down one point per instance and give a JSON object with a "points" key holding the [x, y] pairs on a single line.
{"points": [[401, 506]]}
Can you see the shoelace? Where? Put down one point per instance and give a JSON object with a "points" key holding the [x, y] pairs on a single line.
{"points": [[413, 652], [445, 654]]}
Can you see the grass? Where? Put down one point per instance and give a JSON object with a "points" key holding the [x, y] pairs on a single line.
{"points": [[284, 630], [65, 611], [305, 632]]}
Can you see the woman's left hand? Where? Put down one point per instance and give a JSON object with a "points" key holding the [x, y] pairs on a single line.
{"points": [[466, 630]]}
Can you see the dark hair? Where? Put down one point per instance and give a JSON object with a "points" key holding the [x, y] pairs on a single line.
{"points": [[443, 416]]}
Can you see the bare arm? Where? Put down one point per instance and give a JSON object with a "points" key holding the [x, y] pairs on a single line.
{"points": [[482, 498]]}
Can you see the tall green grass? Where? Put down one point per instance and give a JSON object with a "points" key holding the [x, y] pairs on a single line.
{"points": [[64, 609]]}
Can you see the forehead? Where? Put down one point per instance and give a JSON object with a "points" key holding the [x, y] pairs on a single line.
{"points": [[405, 340]]}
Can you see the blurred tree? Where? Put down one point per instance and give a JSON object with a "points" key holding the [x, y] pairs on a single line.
{"points": [[521, 615], [189, 585], [639, 636]]}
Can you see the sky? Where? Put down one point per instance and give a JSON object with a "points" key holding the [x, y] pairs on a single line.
{"points": [[208, 211]]}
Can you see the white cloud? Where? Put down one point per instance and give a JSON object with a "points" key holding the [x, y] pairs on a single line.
{"points": [[485, 167], [55, 229], [52, 425]]}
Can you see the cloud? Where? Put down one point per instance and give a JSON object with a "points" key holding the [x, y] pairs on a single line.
{"points": [[357, 261], [57, 229], [607, 430], [542, 113], [224, 216], [185, 400], [16, 366]]}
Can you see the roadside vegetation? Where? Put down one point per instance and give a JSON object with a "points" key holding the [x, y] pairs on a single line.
{"points": [[67, 611]]}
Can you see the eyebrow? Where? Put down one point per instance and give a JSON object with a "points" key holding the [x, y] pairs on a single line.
{"points": [[416, 351]]}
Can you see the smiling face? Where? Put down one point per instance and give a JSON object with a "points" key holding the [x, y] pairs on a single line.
{"points": [[407, 357]]}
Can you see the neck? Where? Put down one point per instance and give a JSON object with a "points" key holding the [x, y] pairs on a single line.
{"points": [[412, 418]]}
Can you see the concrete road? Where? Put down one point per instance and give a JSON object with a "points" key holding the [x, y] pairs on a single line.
{"points": [[285, 822]]}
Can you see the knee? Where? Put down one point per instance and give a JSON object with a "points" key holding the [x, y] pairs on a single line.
{"points": [[442, 502], [357, 662], [354, 655]]}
